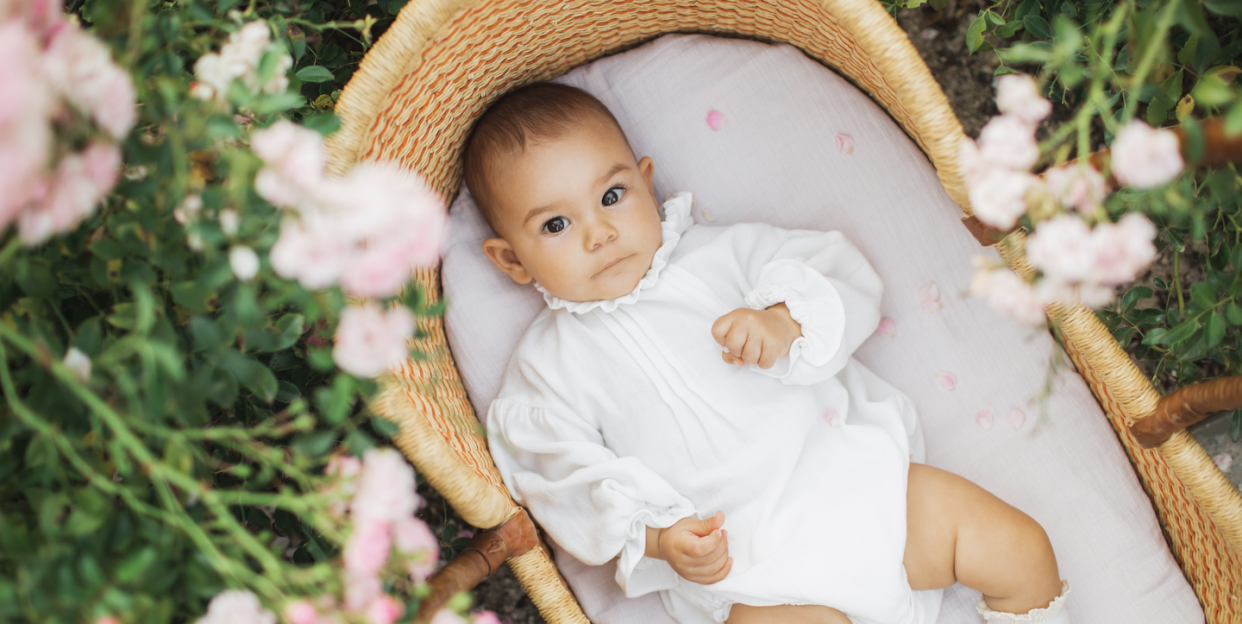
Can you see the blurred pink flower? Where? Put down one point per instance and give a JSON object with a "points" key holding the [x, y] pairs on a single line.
{"points": [[107, 619], [367, 549], [361, 588], [300, 612], [40, 16], [970, 161], [485, 617], [414, 537], [1007, 293], [1061, 247], [370, 341], [238, 58], [1007, 141], [189, 209], [383, 269], [294, 161], [314, 256], [1077, 186], [384, 610], [25, 131], [233, 606], [244, 262], [1091, 294], [1018, 95], [386, 490], [80, 68], [1124, 249], [344, 469], [81, 180], [446, 616], [79, 363], [1144, 157], [998, 198], [1224, 461]]}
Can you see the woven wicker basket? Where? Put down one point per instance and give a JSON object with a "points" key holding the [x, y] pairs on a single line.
{"points": [[443, 61]]}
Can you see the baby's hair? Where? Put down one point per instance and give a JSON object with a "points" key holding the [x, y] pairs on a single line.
{"points": [[543, 110]]}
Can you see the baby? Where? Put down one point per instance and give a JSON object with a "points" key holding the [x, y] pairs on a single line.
{"points": [[688, 404]]}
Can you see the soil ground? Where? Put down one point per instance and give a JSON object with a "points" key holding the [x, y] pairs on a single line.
{"points": [[940, 38]]}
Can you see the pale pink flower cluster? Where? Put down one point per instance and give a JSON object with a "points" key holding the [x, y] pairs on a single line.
{"points": [[1145, 157], [997, 168], [1083, 265], [445, 616], [1077, 186], [1007, 293], [239, 59], [370, 340], [366, 231], [52, 68], [234, 606]]}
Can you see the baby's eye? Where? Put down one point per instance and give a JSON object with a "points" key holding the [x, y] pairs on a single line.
{"points": [[555, 225], [613, 195]]}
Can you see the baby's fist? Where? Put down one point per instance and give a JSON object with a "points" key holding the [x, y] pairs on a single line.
{"points": [[698, 550], [756, 337]]}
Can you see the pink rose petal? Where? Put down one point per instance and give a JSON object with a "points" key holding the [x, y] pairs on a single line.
{"points": [[832, 417], [984, 419], [716, 120], [947, 380], [929, 297], [845, 143], [1223, 461], [887, 327], [1016, 418]]}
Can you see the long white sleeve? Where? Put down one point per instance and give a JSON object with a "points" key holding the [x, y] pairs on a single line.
{"points": [[594, 504], [830, 290]]}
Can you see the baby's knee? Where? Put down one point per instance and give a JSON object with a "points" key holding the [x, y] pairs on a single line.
{"points": [[786, 614]]}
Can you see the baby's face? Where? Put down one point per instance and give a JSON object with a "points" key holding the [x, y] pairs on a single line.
{"points": [[576, 213]]}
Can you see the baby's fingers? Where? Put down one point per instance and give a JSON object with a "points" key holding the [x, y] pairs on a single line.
{"points": [[729, 358], [714, 573], [721, 328]]}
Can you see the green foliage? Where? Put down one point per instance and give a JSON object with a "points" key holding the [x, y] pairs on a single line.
{"points": [[191, 459], [1171, 63]]}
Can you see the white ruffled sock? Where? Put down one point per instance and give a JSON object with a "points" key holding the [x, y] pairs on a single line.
{"points": [[1054, 613]]}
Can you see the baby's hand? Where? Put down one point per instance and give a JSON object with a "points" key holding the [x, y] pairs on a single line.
{"points": [[756, 336], [698, 550]]}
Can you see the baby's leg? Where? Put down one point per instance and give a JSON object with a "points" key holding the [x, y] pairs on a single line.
{"points": [[957, 531], [785, 614]]}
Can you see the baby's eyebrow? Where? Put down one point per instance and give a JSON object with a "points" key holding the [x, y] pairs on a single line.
{"points": [[617, 168]]}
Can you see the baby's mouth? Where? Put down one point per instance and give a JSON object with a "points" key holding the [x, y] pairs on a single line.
{"points": [[613, 263]]}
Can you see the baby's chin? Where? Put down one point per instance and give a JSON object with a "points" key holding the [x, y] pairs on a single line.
{"points": [[619, 286]]}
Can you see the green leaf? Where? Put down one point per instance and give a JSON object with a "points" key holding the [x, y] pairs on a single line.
{"points": [[914, 4], [1233, 119], [1037, 26], [335, 401], [1234, 313], [1232, 8], [323, 123], [385, 427], [1235, 425], [195, 296], [1123, 335], [1133, 296], [1190, 15], [1027, 7], [974, 34], [993, 18], [1215, 329], [253, 375], [34, 277], [1155, 336], [1009, 30], [124, 316], [134, 566], [1181, 332], [1203, 295], [287, 392], [314, 73], [314, 444], [1158, 110], [279, 103], [1172, 86], [289, 328]]}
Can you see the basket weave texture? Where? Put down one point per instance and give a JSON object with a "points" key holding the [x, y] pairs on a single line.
{"points": [[442, 62]]}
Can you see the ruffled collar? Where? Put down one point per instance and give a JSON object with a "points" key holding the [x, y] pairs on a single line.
{"points": [[676, 221]]}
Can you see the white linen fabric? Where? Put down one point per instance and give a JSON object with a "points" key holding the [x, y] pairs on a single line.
{"points": [[620, 414], [777, 161]]}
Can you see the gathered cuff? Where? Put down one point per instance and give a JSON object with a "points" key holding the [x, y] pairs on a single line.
{"points": [[638, 574], [816, 306]]}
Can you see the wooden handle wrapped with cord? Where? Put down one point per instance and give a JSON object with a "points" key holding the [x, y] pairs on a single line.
{"points": [[1187, 406], [485, 553]]}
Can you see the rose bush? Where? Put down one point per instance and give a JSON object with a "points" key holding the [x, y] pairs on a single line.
{"points": [[184, 434]]}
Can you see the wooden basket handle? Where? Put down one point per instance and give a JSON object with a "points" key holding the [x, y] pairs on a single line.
{"points": [[478, 560], [1187, 406]]}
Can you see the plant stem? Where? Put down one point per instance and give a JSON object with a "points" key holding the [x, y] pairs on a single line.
{"points": [[1177, 281], [1149, 55]]}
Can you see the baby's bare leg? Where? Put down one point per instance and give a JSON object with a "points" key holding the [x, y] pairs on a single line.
{"points": [[957, 531], [785, 614]]}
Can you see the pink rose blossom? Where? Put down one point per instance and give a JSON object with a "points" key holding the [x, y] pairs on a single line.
{"points": [[294, 159], [80, 67], [233, 606], [107, 619], [311, 255], [81, 180], [1008, 294], [1123, 250], [1144, 157], [386, 489], [1061, 248], [239, 58], [971, 161], [244, 262], [384, 610], [1018, 95], [1079, 187], [413, 535], [384, 268], [26, 106], [300, 612], [370, 341], [367, 549], [1007, 141], [485, 617], [40, 16], [998, 198], [361, 589], [1091, 294]]}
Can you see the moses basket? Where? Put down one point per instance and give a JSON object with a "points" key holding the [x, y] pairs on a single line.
{"points": [[443, 61]]}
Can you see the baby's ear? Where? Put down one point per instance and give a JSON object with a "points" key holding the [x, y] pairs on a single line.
{"points": [[646, 166], [500, 252]]}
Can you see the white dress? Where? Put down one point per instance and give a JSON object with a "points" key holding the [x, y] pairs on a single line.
{"points": [[620, 414]]}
